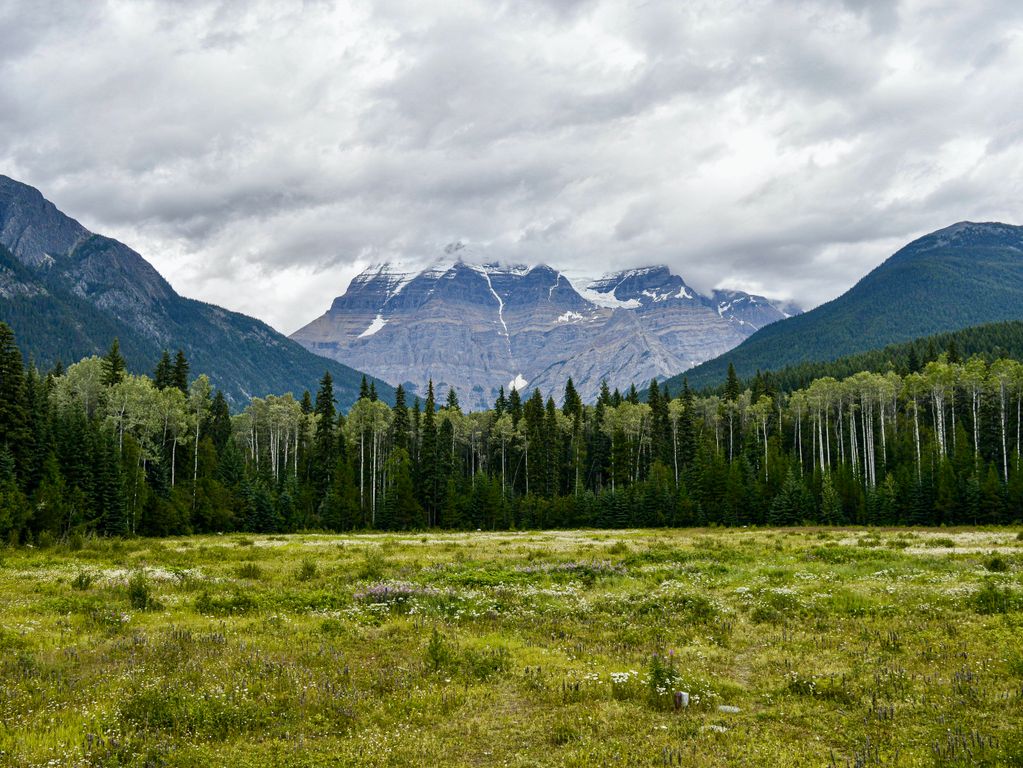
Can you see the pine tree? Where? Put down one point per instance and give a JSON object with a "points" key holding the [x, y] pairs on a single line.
{"points": [[163, 377], [401, 508], [732, 385], [219, 422], [13, 413], [428, 475], [515, 406], [831, 505], [572, 405], [324, 443], [400, 424], [364, 389], [113, 365], [452, 401], [180, 374]]}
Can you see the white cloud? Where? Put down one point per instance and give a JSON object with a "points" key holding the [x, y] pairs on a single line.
{"points": [[260, 153]]}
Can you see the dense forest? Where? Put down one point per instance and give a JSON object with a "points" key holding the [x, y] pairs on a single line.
{"points": [[94, 448], [991, 341]]}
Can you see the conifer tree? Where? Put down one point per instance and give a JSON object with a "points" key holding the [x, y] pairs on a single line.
{"points": [[12, 395], [324, 444], [113, 365], [452, 401], [572, 406], [164, 374], [732, 384], [428, 469], [400, 424], [180, 374]]}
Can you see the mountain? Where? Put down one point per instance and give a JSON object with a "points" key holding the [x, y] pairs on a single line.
{"points": [[67, 293], [964, 275], [478, 326]]}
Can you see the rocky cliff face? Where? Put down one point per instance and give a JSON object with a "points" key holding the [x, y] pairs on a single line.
{"points": [[478, 326], [68, 292]]}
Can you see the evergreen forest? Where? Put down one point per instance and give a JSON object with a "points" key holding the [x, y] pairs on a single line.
{"points": [[94, 449]]}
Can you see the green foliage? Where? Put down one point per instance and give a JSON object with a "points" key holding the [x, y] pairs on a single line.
{"points": [[992, 599], [140, 592], [307, 570]]}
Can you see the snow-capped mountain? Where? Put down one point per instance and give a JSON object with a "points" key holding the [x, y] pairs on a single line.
{"points": [[478, 326]]}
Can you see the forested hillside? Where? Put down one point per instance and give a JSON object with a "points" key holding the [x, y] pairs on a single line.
{"points": [[964, 275], [67, 292], [96, 449], [991, 342]]}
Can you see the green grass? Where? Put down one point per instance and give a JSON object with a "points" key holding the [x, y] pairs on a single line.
{"points": [[796, 648]]}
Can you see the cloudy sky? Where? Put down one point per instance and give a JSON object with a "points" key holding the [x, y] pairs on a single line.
{"points": [[259, 154]]}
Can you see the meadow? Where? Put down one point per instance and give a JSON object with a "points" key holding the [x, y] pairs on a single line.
{"points": [[703, 647]]}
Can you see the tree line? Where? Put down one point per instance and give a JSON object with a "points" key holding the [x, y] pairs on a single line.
{"points": [[93, 448]]}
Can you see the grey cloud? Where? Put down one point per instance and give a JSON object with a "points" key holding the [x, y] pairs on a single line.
{"points": [[261, 152]]}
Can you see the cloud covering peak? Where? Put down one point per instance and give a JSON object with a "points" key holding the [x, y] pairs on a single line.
{"points": [[260, 154]]}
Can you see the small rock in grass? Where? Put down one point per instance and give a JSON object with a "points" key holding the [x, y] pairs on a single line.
{"points": [[729, 709]]}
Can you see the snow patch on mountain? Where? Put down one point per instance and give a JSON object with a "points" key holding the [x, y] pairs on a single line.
{"points": [[378, 323], [586, 288], [519, 383]]}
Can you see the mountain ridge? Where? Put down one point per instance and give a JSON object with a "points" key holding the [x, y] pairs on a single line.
{"points": [[476, 325], [966, 274], [67, 292]]}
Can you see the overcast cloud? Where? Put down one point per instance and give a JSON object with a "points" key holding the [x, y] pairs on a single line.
{"points": [[260, 154]]}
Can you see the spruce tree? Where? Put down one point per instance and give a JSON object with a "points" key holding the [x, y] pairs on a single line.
{"points": [[732, 385], [428, 475], [324, 444], [572, 405], [180, 375], [219, 422], [400, 425], [452, 401], [113, 365], [163, 377], [13, 413]]}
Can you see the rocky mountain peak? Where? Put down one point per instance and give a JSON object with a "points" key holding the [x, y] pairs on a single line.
{"points": [[475, 325], [32, 228]]}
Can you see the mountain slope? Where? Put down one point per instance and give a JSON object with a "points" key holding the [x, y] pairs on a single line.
{"points": [[477, 327], [990, 341], [963, 275], [67, 293]]}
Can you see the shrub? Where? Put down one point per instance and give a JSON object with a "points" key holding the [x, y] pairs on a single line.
{"points": [[989, 599], [439, 653], [221, 605], [250, 571], [82, 580], [306, 571], [140, 594], [618, 548], [997, 564]]}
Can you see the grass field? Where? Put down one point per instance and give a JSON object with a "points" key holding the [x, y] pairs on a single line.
{"points": [[584, 648]]}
